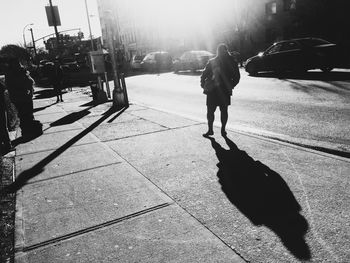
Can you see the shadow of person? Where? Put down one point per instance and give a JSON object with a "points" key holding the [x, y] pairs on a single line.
{"points": [[262, 196]]}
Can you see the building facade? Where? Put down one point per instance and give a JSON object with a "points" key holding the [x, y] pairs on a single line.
{"points": [[247, 26]]}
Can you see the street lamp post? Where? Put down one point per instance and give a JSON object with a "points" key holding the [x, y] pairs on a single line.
{"points": [[33, 41], [24, 39]]}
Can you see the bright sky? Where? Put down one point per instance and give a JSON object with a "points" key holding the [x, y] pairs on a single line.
{"points": [[16, 14]]}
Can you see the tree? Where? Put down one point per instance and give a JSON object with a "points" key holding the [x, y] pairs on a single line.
{"points": [[15, 51]]}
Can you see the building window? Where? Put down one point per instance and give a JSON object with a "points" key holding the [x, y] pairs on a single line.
{"points": [[271, 8], [271, 35], [289, 5]]}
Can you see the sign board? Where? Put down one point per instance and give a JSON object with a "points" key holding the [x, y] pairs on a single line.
{"points": [[56, 16], [97, 62]]}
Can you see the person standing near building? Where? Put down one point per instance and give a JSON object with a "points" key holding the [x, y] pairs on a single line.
{"points": [[56, 80], [223, 73]]}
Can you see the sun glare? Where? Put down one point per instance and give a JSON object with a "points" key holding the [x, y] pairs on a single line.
{"points": [[180, 16]]}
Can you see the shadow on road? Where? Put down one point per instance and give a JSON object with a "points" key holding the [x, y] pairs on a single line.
{"points": [[262, 196], [310, 75], [26, 175]]}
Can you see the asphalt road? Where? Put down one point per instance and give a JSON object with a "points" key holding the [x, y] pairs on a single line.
{"points": [[311, 110]]}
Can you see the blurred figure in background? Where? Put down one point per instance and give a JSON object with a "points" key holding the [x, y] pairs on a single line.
{"points": [[56, 80]]}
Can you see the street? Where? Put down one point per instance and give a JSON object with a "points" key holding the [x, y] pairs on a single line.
{"points": [[312, 110]]}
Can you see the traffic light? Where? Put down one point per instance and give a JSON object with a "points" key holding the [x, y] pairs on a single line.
{"points": [[80, 35]]}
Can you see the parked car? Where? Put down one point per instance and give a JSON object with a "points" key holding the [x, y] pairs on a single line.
{"points": [[157, 61], [135, 62], [192, 60], [297, 55], [69, 65]]}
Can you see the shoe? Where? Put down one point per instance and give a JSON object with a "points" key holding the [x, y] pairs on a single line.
{"points": [[61, 100], [208, 133]]}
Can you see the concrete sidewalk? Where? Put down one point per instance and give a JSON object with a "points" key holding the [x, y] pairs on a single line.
{"points": [[141, 185]]}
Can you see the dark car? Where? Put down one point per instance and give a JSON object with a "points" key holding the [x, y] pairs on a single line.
{"points": [[297, 55], [192, 60], [157, 61], [69, 65], [135, 62]]}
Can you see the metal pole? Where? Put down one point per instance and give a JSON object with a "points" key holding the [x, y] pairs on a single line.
{"points": [[24, 39], [31, 32], [87, 15]]}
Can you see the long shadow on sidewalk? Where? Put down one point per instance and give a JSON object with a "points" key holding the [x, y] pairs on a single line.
{"points": [[26, 175], [262, 196]]}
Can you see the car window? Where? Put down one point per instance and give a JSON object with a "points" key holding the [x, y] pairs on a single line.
{"points": [[287, 46], [149, 56], [313, 42], [274, 49], [138, 57]]}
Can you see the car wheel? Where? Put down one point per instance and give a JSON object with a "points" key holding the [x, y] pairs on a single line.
{"points": [[326, 69]]}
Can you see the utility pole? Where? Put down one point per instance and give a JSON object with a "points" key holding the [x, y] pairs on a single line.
{"points": [[88, 18], [55, 24], [120, 97]]}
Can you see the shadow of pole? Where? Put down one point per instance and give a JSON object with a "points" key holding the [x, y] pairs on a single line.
{"points": [[72, 117], [262, 196], [24, 176]]}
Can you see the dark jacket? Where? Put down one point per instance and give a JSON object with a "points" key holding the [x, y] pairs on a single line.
{"points": [[224, 70], [19, 84], [56, 75]]}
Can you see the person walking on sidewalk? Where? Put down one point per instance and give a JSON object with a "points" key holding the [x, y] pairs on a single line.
{"points": [[56, 80], [218, 79]]}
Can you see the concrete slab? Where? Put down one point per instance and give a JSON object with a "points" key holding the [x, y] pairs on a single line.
{"points": [[68, 106], [93, 109], [51, 117], [165, 235], [53, 141], [163, 118], [72, 203], [47, 109], [53, 129], [126, 129], [136, 107], [124, 117], [74, 159], [255, 212]]}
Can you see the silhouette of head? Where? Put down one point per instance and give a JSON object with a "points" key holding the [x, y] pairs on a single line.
{"points": [[222, 50]]}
